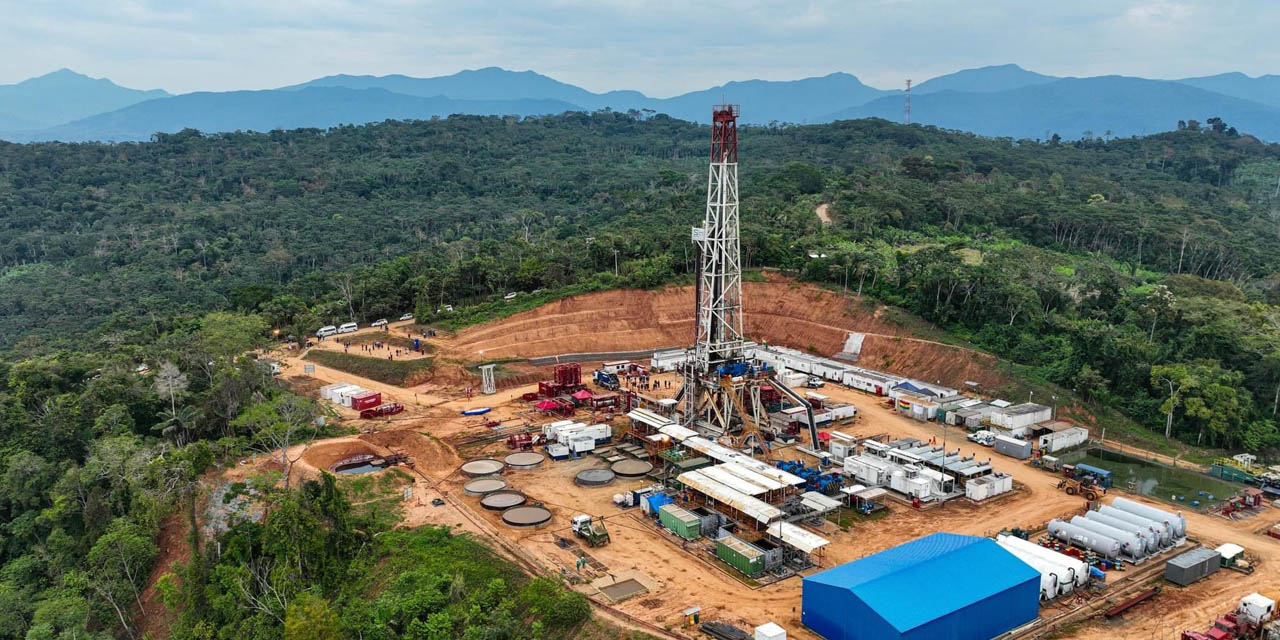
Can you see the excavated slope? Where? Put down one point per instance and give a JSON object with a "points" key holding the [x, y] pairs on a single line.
{"points": [[780, 311]]}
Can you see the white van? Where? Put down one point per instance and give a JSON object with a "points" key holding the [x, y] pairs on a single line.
{"points": [[348, 327], [326, 331]]}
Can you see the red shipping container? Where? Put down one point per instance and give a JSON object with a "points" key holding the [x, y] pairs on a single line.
{"points": [[367, 400]]}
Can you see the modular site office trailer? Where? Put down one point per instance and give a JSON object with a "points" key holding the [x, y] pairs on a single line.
{"points": [[1060, 438], [680, 521], [581, 444], [1018, 418], [1194, 565], [335, 392], [1013, 447], [668, 360], [741, 555], [345, 395], [868, 381]]}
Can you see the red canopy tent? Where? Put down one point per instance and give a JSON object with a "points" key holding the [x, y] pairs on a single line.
{"points": [[547, 405], [583, 395]]}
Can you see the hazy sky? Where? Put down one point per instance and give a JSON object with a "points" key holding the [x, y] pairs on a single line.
{"points": [[661, 47]]}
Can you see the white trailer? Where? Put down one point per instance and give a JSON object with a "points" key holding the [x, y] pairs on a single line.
{"points": [[668, 360], [1055, 441]]}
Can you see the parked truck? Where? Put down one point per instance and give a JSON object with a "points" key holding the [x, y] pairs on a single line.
{"points": [[606, 379], [587, 528]]}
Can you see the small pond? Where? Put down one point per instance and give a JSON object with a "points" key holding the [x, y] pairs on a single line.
{"points": [[1182, 487], [357, 468]]}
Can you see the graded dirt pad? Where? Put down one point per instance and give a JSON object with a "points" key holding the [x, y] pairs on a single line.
{"points": [[779, 311]]}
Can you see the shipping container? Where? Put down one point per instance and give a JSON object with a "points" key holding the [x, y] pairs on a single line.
{"points": [[680, 521], [740, 555], [1013, 447], [366, 400], [1194, 565]]}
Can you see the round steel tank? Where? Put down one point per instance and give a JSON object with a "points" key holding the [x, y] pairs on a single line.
{"points": [[502, 499], [482, 467], [524, 460], [1071, 534], [631, 468], [484, 486], [594, 477], [526, 516]]}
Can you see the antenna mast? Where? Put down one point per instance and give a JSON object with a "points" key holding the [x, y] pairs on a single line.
{"points": [[908, 107]]}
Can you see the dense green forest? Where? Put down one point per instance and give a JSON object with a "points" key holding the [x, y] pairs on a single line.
{"points": [[95, 459], [1141, 273]]}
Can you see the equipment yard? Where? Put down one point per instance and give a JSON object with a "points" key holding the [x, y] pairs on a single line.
{"points": [[678, 575], [848, 475]]}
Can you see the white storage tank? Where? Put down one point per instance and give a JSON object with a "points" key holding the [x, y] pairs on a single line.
{"points": [[1161, 530], [1151, 542], [1131, 545], [1084, 538], [1177, 523], [1053, 579], [1076, 570]]}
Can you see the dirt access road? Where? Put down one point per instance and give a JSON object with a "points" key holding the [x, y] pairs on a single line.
{"points": [[821, 212]]}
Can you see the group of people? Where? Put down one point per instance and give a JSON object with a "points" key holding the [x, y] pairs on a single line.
{"points": [[392, 352], [644, 383]]}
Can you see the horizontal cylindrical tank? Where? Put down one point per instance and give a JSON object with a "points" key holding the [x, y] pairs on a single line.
{"points": [[1177, 523], [1149, 538], [1096, 542], [1053, 581], [1162, 531], [1076, 570], [1131, 545]]}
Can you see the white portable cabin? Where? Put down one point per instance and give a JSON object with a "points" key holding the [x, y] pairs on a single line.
{"points": [[917, 406], [842, 411], [1062, 439], [345, 396], [988, 486], [335, 394], [615, 366], [1019, 417], [910, 481], [668, 360], [869, 381], [793, 379], [842, 445], [552, 430], [828, 370]]}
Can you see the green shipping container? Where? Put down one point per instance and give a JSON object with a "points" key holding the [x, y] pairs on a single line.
{"points": [[684, 524], [741, 555]]}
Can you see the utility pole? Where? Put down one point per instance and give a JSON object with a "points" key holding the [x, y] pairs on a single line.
{"points": [[615, 263]]}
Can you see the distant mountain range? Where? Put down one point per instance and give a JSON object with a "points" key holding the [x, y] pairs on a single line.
{"points": [[1004, 100]]}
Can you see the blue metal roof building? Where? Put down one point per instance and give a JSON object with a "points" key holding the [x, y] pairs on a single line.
{"points": [[940, 587]]}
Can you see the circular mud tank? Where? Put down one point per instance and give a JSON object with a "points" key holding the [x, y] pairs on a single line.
{"points": [[482, 467], [631, 468], [484, 486], [502, 499], [526, 516], [594, 477], [524, 460]]}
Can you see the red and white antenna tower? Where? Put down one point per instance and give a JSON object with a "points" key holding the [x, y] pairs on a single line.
{"points": [[908, 108]]}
